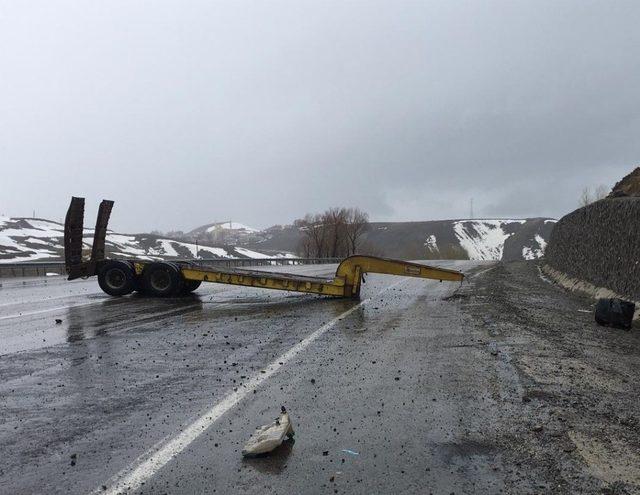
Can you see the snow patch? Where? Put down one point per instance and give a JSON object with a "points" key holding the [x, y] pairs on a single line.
{"points": [[217, 252], [534, 253], [431, 243], [251, 254], [231, 226], [483, 239]]}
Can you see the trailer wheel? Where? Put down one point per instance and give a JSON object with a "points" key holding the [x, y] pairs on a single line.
{"points": [[162, 279], [190, 286], [117, 278]]}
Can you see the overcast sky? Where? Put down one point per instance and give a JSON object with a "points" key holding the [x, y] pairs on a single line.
{"points": [[189, 112]]}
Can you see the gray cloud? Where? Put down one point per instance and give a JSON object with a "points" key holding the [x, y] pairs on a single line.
{"points": [[190, 112]]}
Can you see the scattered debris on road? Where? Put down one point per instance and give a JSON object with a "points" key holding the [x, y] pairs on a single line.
{"points": [[493, 348], [269, 437], [350, 452]]}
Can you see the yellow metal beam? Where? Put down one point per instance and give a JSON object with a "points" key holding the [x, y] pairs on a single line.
{"points": [[266, 280], [372, 264], [352, 268], [346, 282]]}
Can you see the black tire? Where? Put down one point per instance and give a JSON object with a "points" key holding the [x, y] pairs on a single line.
{"points": [[162, 279], [190, 286], [117, 278]]}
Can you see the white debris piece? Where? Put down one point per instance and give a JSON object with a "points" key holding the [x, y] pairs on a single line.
{"points": [[268, 437]]}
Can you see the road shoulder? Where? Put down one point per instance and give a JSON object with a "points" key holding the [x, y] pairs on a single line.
{"points": [[580, 410]]}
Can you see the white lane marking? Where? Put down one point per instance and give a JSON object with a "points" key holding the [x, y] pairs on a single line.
{"points": [[149, 463], [41, 311]]}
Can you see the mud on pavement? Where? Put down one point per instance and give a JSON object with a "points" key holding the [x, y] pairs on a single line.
{"points": [[576, 425]]}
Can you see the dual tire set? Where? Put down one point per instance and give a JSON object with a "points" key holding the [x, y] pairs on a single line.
{"points": [[158, 279]]}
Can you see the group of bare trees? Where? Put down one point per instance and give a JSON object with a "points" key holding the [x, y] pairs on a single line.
{"points": [[335, 233], [589, 196]]}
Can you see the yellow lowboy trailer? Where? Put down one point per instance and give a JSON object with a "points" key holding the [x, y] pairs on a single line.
{"points": [[171, 278]]}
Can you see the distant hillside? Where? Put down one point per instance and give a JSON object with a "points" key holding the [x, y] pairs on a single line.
{"points": [[224, 233], [28, 239], [486, 239]]}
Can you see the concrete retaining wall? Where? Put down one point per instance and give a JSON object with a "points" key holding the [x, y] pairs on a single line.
{"points": [[600, 244]]}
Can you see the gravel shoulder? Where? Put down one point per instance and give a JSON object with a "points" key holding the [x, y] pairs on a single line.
{"points": [[576, 428]]}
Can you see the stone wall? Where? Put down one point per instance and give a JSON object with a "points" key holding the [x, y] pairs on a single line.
{"points": [[600, 244]]}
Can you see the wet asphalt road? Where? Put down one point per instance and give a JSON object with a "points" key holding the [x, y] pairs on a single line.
{"points": [[398, 382]]}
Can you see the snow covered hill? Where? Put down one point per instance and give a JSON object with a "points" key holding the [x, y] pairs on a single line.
{"points": [[28, 239], [477, 239], [486, 239]]}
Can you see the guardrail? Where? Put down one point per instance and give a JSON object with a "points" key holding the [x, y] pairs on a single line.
{"points": [[44, 268]]}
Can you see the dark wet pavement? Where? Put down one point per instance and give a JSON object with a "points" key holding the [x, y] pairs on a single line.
{"points": [[403, 381]]}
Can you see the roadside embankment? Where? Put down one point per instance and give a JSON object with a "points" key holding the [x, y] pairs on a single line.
{"points": [[596, 249]]}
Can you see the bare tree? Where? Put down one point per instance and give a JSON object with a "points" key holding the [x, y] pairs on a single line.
{"points": [[588, 196], [318, 235], [305, 249], [601, 192], [334, 219], [585, 197], [314, 233], [356, 226], [335, 233]]}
